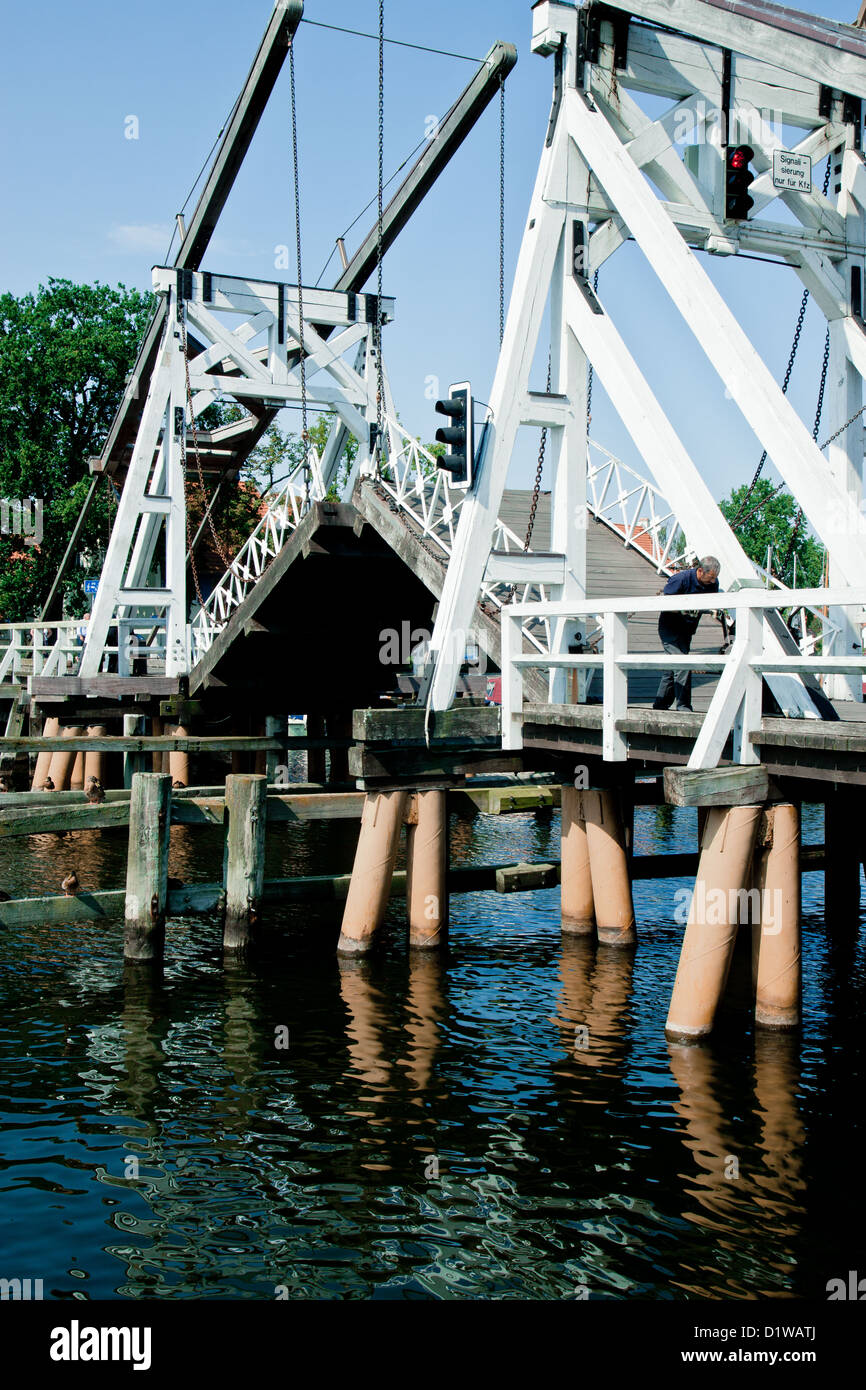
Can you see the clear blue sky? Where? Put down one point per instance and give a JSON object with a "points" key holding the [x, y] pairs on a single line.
{"points": [[84, 202]]}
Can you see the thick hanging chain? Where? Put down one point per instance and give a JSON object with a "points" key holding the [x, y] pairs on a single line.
{"points": [[305, 435], [533, 507], [589, 372], [501, 210], [787, 380], [380, 369]]}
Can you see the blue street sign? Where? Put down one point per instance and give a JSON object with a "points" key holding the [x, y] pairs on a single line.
{"points": [[90, 586]]}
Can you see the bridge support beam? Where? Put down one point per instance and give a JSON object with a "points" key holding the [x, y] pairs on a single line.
{"points": [[609, 869], [577, 903], [724, 870], [370, 888], [776, 938], [43, 760], [426, 869]]}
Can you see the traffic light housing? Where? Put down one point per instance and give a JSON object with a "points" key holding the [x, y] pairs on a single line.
{"points": [[458, 436], [738, 176]]}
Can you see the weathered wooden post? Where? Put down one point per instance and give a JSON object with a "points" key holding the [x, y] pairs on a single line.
{"points": [[370, 886], [244, 872], [426, 869], [93, 758], [43, 760], [147, 866], [577, 903], [275, 727], [60, 767], [776, 938], [608, 863], [178, 761], [724, 868]]}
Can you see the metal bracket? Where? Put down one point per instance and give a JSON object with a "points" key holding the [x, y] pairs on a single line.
{"points": [[557, 91], [620, 22]]}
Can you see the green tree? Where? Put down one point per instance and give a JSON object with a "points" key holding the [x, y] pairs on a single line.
{"points": [[65, 354], [769, 519]]}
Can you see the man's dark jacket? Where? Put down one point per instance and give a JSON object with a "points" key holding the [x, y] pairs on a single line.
{"points": [[681, 627]]}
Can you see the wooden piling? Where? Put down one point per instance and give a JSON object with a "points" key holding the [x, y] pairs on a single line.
{"points": [[76, 776], [93, 759], [245, 813], [426, 869], [609, 868], [370, 887], [577, 905], [275, 727], [776, 938], [178, 762], [43, 760], [724, 869], [147, 866], [133, 763], [156, 759], [60, 767]]}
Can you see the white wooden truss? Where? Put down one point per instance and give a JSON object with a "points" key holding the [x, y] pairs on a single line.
{"points": [[143, 585], [609, 173]]}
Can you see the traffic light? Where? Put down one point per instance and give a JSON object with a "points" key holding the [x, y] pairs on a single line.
{"points": [[738, 176], [459, 436]]}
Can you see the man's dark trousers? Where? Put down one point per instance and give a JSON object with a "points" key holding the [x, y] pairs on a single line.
{"points": [[675, 684]]}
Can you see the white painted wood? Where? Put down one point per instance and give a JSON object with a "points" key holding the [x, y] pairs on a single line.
{"points": [[748, 716], [615, 706], [478, 515], [728, 348], [795, 53], [532, 567], [512, 681]]}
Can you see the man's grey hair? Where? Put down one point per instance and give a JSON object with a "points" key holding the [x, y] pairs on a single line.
{"points": [[709, 564]]}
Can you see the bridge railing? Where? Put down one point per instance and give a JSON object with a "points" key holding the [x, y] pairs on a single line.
{"points": [[735, 708], [55, 648]]}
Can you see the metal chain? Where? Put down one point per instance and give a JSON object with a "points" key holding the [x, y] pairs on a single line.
{"points": [[380, 370], [533, 508], [785, 384], [590, 374], [815, 428], [501, 210], [827, 442], [226, 559], [305, 436]]}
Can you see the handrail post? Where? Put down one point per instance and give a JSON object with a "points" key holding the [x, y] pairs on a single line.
{"points": [[748, 717], [511, 632], [615, 689]]}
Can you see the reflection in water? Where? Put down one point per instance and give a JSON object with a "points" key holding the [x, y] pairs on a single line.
{"points": [[572, 1146]]}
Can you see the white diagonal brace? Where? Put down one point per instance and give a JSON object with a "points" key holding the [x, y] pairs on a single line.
{"points": [[727, 346]]}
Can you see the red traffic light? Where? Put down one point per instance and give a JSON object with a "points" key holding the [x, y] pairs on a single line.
{"points": [[740, 157]]}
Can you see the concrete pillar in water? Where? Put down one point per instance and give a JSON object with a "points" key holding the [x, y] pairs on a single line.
{"points": [[777, 937], [577, 904], [147, 866], [246, 813], [43, 760], [375, 857], [178, 762], [60, 767], [427, 866], [724, 869], [93, 759], [608, 863]]}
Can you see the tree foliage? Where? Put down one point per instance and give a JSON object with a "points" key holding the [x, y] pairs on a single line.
{"points": [[769, 521], [65, 353]]}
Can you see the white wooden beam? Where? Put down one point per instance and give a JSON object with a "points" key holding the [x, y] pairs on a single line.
{"points": [[727, 346]]}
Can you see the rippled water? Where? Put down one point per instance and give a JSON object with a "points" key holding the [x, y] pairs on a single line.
{"points": [[434, 1129]]}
